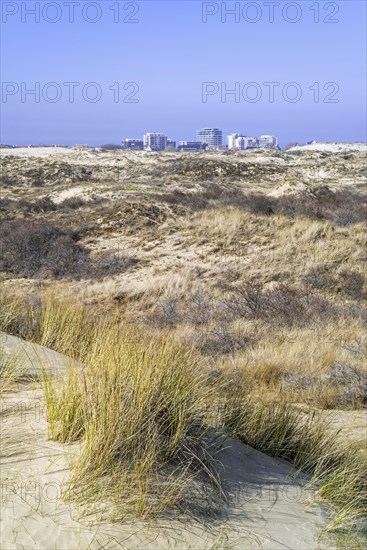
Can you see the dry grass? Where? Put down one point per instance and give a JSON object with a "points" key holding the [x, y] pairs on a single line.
{"points": [[42, 321], [284, 340], [142, 408], [137, 405], [10, 371], [272, 245], [302, 364]]}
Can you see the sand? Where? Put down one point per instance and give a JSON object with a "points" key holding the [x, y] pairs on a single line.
{"points": [[268, 509], [41, 152], [332, 147]]}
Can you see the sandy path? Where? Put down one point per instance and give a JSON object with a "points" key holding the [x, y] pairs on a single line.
{"points": [[267, 508]]}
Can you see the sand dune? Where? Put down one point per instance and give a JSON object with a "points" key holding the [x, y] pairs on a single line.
{"points": [[331, 147], [267, 507]]}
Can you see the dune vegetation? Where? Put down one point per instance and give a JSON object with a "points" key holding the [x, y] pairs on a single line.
{"points": [[201, 298], [149, 415]]}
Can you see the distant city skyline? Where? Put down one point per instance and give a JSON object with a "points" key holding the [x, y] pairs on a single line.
{"points": [[205, 137]]}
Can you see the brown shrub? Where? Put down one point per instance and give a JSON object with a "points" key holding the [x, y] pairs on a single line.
{"points": [[41, 205], [352, 283], [72, 203], [283, 305], [317, 278], [341, 207], [31, 249]]}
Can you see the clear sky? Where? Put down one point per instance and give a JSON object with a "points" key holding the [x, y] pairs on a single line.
{"points": [[312, 53]]}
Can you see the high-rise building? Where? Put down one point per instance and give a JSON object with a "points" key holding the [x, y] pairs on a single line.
{"points": [[240, 141], [155, 141], [210, 136], [231, 141]]}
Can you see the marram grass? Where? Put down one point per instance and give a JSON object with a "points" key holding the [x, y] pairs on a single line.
{"points": [[141, 408]]}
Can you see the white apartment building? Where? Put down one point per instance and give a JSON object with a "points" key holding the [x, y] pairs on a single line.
{"points": [[155, 141], [239, 141], [267, 142], [231, 141], [210, 136]]}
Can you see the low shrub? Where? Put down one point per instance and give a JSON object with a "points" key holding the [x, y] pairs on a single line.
{"points": [[348, 282], [281, 305], [318, 278], [31, 249], [341, 207], [352, 284], [72, 203], [41, 205]]}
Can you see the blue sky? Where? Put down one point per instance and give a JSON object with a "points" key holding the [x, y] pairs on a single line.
{"points": [[168, 53]]}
